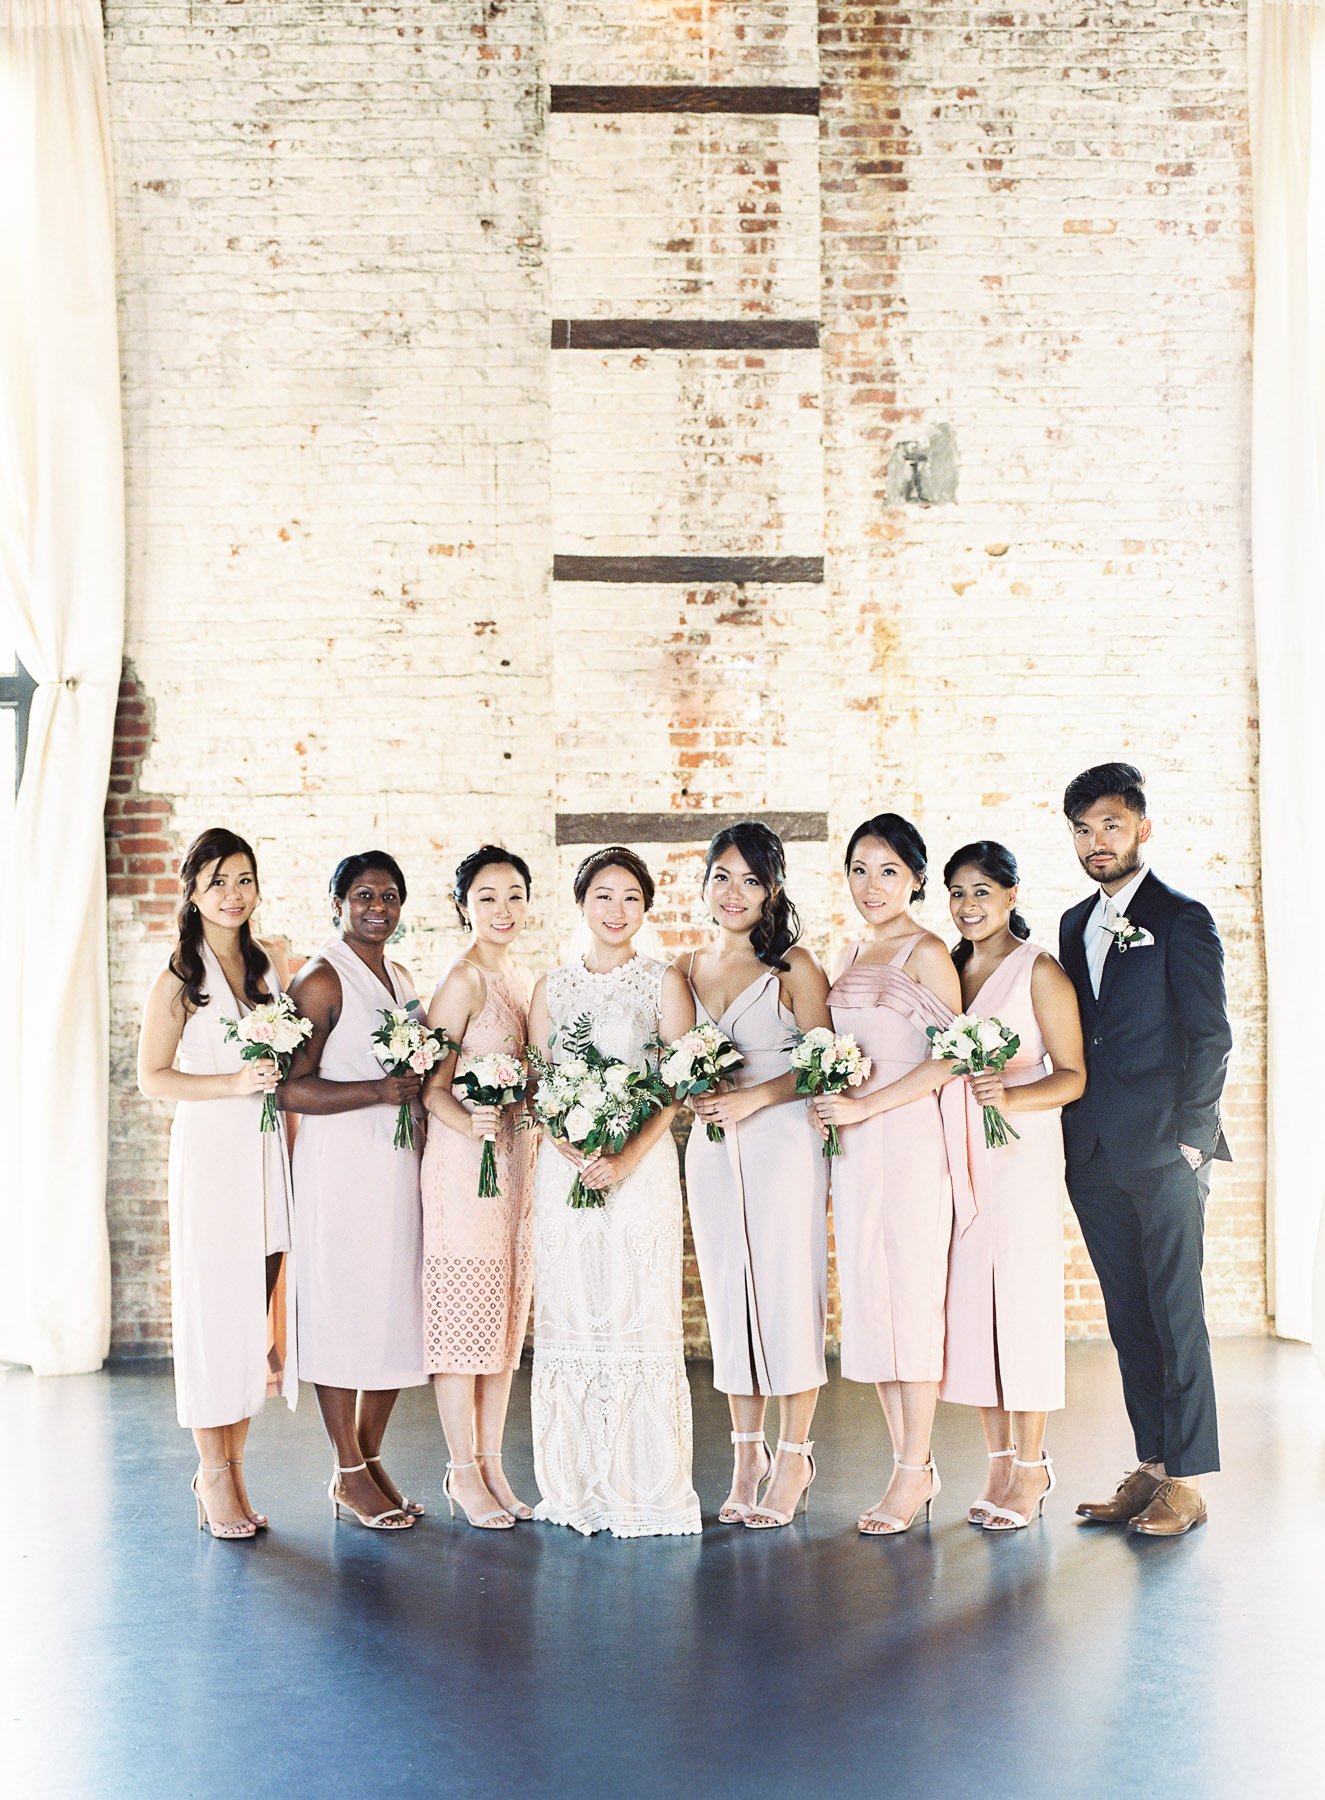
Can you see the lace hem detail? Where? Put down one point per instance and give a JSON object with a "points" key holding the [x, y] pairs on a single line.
{"points": [[590, 1520]]}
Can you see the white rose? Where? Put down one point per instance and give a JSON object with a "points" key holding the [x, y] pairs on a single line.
{"points": [[578, 1123], [617, 1080], [989, 1036]]}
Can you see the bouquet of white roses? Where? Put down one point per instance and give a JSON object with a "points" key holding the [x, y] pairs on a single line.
{"points": [[697, 1062], [593, 1101], [406, 1046], [974, 1045], [272, 1030], [495, 1079], [828, 1062]]}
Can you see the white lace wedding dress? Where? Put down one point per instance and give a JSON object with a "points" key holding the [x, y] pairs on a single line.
{"points": [[611, 1404]]}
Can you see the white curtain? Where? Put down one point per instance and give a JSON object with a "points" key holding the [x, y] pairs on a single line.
{"points": [[62, 583], [1287, 78]]}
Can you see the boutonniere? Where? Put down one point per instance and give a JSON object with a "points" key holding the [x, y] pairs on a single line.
{"points": [[1126, 935]]}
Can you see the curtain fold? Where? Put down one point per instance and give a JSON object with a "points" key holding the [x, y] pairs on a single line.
{"points": [[1286, 44], [62, 585]]}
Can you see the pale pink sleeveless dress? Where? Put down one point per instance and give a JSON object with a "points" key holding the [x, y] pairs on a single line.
{"points": [[1005, 1276], [759, 1216], [478, 1255], [893, 1185], [229, 1199], [358, 1219]]}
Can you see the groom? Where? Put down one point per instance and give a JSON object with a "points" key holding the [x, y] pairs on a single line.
{"points": [[1148, 969]]}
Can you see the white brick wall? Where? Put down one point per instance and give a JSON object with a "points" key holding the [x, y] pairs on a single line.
{"points": [[344, 230]]}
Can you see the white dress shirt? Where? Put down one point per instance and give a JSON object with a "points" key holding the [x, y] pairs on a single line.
{"points": [[1097, 939]]}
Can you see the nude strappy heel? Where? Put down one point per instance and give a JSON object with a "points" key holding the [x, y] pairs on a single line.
{"points": [[500, 1520], [881, 1524], [1002, 1518], [407, 1505], [736, 1510], [259, 1519], [393, 1519], [247, 1530], [980, 1511], [763, 1518], [520, 1510]]}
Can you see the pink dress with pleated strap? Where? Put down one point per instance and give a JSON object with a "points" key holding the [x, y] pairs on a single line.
{"points": [[895, 1183], [478, 1254], [1005, 1276], [759, 1216]]}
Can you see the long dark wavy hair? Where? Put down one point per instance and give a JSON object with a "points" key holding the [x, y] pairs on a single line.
{"points": [[779, 924], [997, 864], [214, 845]]}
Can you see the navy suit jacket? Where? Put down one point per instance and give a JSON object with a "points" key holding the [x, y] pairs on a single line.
{"points": [[1157, 1038]]}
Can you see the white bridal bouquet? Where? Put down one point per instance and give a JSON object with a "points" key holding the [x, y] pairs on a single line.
{"points": [[697, 1062], [828, 1062], [406, 1046], [271, 1030], [495, 1079], [593, 1101], [973, 1045]]}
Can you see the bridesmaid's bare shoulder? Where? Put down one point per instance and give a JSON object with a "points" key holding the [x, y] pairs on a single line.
{"points": [[931, 964], [1050, 981], [276, 953], [460, 980], [805, 973], [316, 985]]}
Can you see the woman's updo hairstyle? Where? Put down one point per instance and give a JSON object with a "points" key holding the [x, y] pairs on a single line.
{"points": [[215, 845], [761, 849], [998, 865], [469, 868], [613, 856], [902, 839], [348, 870]]}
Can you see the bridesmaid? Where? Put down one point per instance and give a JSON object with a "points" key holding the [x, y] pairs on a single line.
{"points": [[893, 1192], [759, 1200], [358, 1218], [1005, 1278], [478, 1269], [229, 1182]]}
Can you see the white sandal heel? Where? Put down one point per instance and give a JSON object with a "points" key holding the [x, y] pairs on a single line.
{"points": [[736, 1511], [393, 1519], [500, 1520], [980, 1511], [891, 1525], [521, 1510], [1002, 1518], [763, 1518], [407, 1505]]}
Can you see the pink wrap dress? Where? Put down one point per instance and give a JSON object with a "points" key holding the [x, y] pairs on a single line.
{"points": [[1005, 1276], [898, 1182]]}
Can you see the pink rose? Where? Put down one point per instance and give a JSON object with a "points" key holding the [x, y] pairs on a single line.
{"points": [[261, 1032], [420, 1062]]}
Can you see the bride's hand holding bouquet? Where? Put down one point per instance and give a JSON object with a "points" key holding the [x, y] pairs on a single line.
{"points": [[593, 1106]]}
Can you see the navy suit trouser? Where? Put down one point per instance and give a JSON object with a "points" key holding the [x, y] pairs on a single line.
{"points": [[1145, 1231]]}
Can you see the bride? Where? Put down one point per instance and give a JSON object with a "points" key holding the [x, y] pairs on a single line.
{"points": [[611, 1406]]}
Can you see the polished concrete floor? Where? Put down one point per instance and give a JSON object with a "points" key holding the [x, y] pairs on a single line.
{"points": [[138, 1658]]}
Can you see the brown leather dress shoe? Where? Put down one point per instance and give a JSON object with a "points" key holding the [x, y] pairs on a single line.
{"points": [[1174, 1509], [1134, 1493]]}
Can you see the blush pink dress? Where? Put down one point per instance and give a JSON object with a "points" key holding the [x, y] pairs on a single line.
{"points": [[1005, 1277], [229, 1210], [896, 1181], [358, 1222], [759, 1215], [478, 1254]]}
